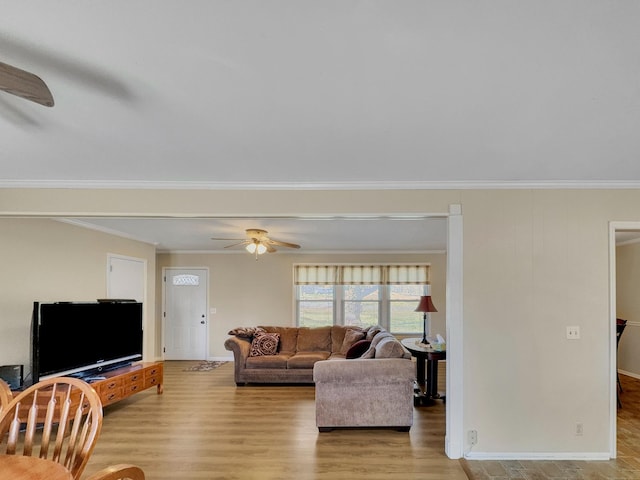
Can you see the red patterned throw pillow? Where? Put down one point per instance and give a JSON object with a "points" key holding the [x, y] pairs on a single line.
{"points": [[264, 344]]}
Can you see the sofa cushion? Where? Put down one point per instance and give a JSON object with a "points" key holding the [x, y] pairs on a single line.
{"points": [[288, 338], [337, 356], [306, 359], [268, 361], [338, 333], [351, 336], [264, 344], [314, 339], [337, 337], [357, 349]]}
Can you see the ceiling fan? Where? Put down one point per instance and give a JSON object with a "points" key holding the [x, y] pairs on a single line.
{"points": [[24, 84], [258, 242]]}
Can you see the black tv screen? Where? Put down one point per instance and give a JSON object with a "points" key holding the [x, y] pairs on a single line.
{"points": [[71, 338]]}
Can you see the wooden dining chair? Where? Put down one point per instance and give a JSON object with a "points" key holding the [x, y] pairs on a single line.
{"points": [[58, 419], [122, 471], [5, 394]]}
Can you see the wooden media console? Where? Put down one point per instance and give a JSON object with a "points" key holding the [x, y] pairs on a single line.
{"points": [[114, 385], [126, 381]]}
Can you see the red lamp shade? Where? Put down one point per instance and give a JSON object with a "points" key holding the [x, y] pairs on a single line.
{"points": [[425, 305]]}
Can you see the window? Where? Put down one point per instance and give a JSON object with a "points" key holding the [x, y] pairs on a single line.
{"points": [[186, 280], [315, 305], [361, 295], [361, 305], [403, 300]]}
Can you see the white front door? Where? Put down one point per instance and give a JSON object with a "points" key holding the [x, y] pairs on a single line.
{"points": [[185, 314]]}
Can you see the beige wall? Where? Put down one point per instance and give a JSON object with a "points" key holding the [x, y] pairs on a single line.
{"points": [[45, 260], [628, 306], [246, 292], [535, 261]]}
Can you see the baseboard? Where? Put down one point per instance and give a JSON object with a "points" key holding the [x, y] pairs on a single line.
{"points": [[537, 456], [629, 374]]}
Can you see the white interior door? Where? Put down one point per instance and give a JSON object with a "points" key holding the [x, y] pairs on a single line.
{"points": [[126, 278], [185, 315]]}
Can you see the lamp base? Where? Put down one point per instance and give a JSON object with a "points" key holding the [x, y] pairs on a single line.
{"points": [[425, 328]]}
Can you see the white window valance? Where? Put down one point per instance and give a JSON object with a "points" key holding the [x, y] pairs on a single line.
{"points": [[361, 274], [315, 274]]}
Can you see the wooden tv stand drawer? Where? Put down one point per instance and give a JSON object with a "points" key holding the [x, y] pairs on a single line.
{"points": [[126, 381]]}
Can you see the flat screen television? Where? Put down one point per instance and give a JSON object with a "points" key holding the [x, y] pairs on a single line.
{"points": [[82, 339]]}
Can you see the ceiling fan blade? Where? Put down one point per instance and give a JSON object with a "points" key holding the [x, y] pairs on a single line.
{"points": [[283, 244], [228, 239], [270, 249], [24, 84], [244, 242]]}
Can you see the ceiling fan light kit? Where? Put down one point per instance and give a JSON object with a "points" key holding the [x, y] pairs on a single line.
{"points": [[256, 247]]}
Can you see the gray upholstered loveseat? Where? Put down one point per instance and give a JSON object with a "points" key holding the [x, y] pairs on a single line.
{"points": [[363, 377], [364, 393]]}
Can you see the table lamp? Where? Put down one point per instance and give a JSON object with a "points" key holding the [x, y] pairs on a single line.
{"points": [[425, 306]]}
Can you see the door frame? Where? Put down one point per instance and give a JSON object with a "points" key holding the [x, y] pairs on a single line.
{"points": [[163, 279], [613, 351], [454, 432]]}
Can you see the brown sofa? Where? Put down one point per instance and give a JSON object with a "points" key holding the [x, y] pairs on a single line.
{"points": [[363, 377], [300, 348]]}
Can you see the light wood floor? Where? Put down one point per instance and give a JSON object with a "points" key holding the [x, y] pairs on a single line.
{"points": [[204, 427]]}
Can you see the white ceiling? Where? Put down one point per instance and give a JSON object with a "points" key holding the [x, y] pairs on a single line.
{"points": [[323, 92], [315, 235], [319, 94]]}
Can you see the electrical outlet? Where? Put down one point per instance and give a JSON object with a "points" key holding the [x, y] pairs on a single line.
{"points": [[578, 429], [473, 437], [573, 333]]}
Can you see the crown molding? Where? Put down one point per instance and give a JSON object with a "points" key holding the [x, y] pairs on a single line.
{"points": [[100, 228], [366, 185]]}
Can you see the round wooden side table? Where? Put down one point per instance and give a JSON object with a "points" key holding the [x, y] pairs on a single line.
{"points": [[426, 371]]}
